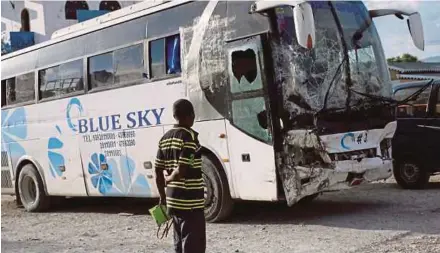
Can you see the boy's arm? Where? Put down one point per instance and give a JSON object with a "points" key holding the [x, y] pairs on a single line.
{"points": [[186, 158], [160, 179]]}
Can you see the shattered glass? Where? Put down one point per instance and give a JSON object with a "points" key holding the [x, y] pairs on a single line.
{"points": [[212, 61], [305, 75], [245, 74], [244, 113], [369, 72]]}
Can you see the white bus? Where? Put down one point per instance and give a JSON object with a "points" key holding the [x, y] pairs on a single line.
{"points": [[290, 101]]}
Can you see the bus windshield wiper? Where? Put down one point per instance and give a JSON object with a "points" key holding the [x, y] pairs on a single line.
{"points": [[324, 107]]}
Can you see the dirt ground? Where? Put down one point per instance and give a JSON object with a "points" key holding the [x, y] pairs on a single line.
{"points": [[372, 218]]}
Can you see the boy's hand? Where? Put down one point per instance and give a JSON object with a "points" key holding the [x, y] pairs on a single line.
{"points": [[163, 201], [167, 179]]}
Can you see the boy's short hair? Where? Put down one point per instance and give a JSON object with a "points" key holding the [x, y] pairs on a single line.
{"points": [[182, 108]]}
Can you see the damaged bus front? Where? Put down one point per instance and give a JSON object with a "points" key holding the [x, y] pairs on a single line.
{"points": [[333, 104]]}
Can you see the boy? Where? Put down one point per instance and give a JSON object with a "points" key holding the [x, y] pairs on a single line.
{"points": [[179, 155]]}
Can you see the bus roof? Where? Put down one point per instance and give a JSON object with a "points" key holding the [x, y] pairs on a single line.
{"points": [[119, 16]]}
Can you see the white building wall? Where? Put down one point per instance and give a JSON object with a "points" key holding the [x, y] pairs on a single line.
{"points": [[45, 16]]}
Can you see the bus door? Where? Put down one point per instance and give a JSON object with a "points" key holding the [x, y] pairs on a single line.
{"points": [[249, 128]]}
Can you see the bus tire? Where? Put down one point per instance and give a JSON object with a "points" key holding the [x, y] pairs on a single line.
{"points": [[31, 190], [218, 201], [410, 174]]}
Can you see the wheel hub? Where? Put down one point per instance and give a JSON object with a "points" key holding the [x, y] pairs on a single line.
{"points": [[29, 190], [410, 172]]}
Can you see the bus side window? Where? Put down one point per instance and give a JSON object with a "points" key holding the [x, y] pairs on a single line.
{"points": [[122, 66], [3, 92], [129, 64], [20, 89], [157, 58], [61, 80], [10, 91], [173, 54], [246, 114], [101, 70], [165, 56]]}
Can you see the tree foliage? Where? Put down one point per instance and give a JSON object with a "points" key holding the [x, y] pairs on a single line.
{"points": [[403, 58]]}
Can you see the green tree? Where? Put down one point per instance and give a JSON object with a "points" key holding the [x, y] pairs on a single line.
{"points": [[403, 58]]}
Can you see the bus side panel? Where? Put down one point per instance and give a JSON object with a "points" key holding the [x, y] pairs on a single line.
{"points": [[212, 135], [60, 165], [38, 133], [142, 158], [160, 95], [55, 147], [119, 131], [253, 166]]}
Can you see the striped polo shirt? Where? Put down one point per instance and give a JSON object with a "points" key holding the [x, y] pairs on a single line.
{"points": [[181, 146]]}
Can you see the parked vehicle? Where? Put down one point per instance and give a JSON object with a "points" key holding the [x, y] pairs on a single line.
{"points": [[416, 143]]}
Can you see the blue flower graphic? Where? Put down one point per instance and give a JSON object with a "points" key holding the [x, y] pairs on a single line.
{"points": [[55, 158], [14, 129], [101, 179], [125, 181]]}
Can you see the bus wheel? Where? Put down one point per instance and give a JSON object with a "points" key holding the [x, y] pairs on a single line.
{"points": [[31, 190], [410, 174], [218, 201]]}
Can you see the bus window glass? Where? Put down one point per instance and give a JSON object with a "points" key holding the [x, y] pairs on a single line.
{"points": [[20, 89], [10, 91], [413, 109], [49, 83], [157, 58], [129, 64], [244, 72], [61, 80], [244, 116], [101, 70], [173, 54], [71, 75], [3, 92]]}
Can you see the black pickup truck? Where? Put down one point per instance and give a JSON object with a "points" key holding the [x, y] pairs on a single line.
{"points": [[416, 143]]}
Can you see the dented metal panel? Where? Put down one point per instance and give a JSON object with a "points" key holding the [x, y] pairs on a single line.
{"points": [[326, 173]]}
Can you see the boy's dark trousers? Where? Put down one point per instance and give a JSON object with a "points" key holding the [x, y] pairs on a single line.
{"points": [[189, 231]]}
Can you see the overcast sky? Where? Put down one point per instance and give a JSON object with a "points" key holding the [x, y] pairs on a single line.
{"points": [[394, 33]]}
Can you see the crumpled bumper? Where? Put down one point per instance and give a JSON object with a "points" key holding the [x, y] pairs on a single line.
{"points": [[343, 160], [345, 175]]}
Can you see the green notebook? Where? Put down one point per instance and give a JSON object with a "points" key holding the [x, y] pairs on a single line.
{"points": [[159, 214]]}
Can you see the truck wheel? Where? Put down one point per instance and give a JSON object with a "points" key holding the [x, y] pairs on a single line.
{"points": [[31, 190], [410, 175], [218, 201]]}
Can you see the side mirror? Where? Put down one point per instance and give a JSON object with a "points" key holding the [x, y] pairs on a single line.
{"points": [[414, 23], [416, 30], [304, 25]]}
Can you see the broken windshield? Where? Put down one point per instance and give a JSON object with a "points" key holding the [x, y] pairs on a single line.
{"points": [[343, 30]]}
